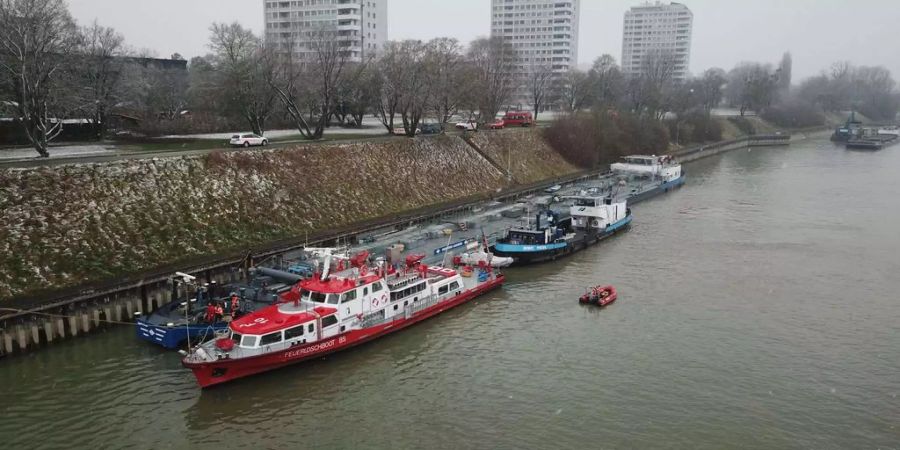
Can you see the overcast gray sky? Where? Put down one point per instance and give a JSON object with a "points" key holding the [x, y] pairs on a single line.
{"points": [[817, 32]]}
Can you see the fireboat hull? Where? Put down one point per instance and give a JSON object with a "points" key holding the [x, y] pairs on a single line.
{"points": [[222, 371]]}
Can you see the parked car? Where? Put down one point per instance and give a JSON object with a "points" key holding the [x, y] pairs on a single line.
{"points": [[553, 189], [469, 125], [400, 131], [247, 140], [431, 128], [518, 119], [498, 125]]}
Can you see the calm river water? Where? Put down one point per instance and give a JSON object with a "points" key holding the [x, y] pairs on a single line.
{"points": [[758, 309]]}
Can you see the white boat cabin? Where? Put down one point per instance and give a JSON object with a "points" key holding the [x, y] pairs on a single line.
{"points": [[597, 213], [658, 166]]}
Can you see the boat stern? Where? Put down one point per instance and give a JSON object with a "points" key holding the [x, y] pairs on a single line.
{"points": [[162, 335]]}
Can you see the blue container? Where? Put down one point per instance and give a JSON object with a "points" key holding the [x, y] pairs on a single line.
{"points": [[483, 276]]}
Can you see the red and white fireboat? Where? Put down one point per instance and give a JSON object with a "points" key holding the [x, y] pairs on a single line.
{"points": [[329, 313]]}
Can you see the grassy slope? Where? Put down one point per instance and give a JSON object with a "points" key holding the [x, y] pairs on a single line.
{"points": [[70, 224], [528, 156]]}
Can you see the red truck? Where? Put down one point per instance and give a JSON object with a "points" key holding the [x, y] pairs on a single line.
{"points": [[518, 119]]}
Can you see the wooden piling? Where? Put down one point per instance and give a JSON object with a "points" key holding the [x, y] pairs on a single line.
{"points": [[36, 333], [73, 325], [96, 314], [48, 330], [20, 337], [85, 322], [61, 327], [7, 342]]}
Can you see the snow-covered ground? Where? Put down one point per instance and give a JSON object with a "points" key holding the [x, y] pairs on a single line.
{"points": [[730, 112], [55, 152]]}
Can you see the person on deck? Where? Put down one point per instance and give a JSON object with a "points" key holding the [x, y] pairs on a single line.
{"points": [[210, 312], [235, 305], [220, 312]]}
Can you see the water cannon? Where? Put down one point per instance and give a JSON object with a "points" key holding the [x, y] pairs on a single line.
{"points": [[185, 277]]}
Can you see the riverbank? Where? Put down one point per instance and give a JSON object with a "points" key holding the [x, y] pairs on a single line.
{"points": [[74, 224]]}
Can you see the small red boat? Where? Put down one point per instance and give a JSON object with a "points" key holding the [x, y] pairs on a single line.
{"points": [[599, 296]]}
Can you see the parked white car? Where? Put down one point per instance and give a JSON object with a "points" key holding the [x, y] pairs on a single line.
{"points": [[248, 140], [469, 125], [400, 131]]}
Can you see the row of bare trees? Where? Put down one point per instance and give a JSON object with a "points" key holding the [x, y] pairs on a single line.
{"points": [[315, 81], [51, 70]]}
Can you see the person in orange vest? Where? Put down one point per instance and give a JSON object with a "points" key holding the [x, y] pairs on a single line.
{"points": [[210, 312]]}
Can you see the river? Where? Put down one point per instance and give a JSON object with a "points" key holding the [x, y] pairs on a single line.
{"points": [[758, 309]]}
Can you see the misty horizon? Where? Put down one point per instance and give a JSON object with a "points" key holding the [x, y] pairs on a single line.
{"points": [[726, 33]]}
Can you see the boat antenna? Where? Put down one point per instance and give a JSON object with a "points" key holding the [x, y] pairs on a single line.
{"points": [[327, 267], [484, 243], [447, 253], [182, 278]]}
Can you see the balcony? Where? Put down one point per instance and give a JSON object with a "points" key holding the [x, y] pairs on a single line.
{"points": [[349, 25]]}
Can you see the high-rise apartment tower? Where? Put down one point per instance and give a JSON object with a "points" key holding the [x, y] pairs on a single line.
{"points": [[541, 33], [360, 25], [655, 30]]}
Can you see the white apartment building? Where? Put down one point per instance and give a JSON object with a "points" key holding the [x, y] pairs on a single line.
{"points": [[652, 28], [541, 32], [360, 25]]}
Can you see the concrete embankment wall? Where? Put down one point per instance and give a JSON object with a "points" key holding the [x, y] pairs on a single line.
{"points": [[67, 225], [704, 151]]}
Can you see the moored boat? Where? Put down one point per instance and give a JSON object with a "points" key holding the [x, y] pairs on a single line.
{"points": [[590, 220], [661, 174], [331, 313], [852, 129], [198, 317]]}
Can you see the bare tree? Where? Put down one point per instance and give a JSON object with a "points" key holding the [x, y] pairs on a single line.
{"points": [[785, 73], [607, 82], [37, 38], [447, 77], [751, 86], [648, 89], [389, 90], [100, 71], [357, 94], [413, 84], [709, 88], [575, 90], [309, 87], [539, 81], [244, 68], [166, 93], [492, 62]]}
